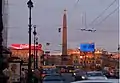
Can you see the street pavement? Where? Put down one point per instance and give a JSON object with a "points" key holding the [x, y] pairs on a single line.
{"points": [[68, 77]]}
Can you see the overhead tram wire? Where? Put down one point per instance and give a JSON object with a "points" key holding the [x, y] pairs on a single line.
{"points": [[105, 19], [102, 12], [74, 7], [76, 3], [99, 14], [108, 16]]}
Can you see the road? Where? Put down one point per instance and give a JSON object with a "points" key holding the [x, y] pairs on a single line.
{"points": [[68, 77]]}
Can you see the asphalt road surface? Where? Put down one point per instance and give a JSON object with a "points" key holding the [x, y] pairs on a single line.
{"points": [[68, 77]]}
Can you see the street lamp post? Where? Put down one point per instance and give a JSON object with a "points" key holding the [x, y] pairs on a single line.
{"points": [[36, 53], [30, 5], [34, 33], [118, 48], [118, 54]]}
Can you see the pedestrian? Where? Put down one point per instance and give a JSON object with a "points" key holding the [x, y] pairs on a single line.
{"points": [[23, 75], [26, 75], [6, 72]]}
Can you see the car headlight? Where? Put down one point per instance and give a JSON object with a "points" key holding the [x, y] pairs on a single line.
{"points": [[106, 78], [74, 73], [83, 77], [70, 71]]}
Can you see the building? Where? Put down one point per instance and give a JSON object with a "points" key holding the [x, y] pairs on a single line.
{"points": [[6, 52], [5, 22], [3, 40], [99, 59], [22, 51], [54, 60]]}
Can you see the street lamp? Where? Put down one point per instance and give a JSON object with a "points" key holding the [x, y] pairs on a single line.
{"points": [[34, 33], [30, 5]]}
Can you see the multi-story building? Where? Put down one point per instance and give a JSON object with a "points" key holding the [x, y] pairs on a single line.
{"points": [[22, 51]]}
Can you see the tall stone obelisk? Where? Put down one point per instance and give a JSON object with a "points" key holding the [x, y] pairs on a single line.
{"points": [[64, 38]]}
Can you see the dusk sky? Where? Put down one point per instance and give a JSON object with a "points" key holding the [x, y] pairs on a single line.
{"points": [[47, 16]]}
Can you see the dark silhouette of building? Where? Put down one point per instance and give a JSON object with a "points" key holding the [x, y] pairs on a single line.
{"points": [[3, 78], [1, 38], [5, 22]]}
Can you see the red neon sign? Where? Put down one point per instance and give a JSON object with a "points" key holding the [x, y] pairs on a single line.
{"points": [[25, 46]]}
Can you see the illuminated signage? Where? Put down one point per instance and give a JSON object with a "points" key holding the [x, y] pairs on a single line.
{"points": [[87, 47], [24, 46]]}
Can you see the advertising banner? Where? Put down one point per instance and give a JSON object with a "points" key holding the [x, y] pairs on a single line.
{"points": [[25, 46], [87, 47], [15, 71]]}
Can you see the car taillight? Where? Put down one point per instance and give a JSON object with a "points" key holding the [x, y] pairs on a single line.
{"points": [[43, 75]]}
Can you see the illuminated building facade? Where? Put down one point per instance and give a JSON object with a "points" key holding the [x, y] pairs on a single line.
{"points": [[22, 51]]}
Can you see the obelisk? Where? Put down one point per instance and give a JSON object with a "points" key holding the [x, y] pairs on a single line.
{"points": [[64, 38]]}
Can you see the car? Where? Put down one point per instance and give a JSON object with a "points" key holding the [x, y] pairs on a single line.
{"points": [[95, 75], [53, 79], [106, 73], [98, 81], [117, 74], [79, 75], [49, 72]]}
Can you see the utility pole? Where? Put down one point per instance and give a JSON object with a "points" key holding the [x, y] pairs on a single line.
{"points": [[118, 54], [34, 33], [36, 53], [30, 5], [36, 58]]}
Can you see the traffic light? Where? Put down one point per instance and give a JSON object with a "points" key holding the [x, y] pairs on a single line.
{"points": [[47, 44], [59, 29]]}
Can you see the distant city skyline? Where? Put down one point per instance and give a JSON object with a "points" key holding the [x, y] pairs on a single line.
{"points": [[47, 16]]}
